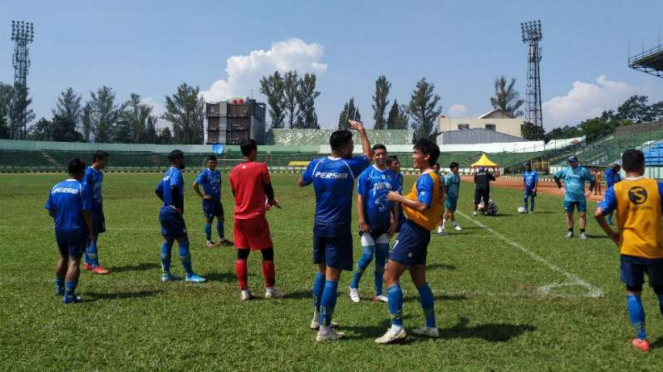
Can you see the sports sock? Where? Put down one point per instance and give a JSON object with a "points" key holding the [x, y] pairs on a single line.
{"points": [[185, 257], [427, 304], [637, 314], [91, 252], [444, 223], [208, 231], [328, 302], [455, 224], [395, 295], [660, 303], [582, 231], [59, 284], [525, 201], [364, 261], [86, 259], [242, 274], [381, 253], [570, 230], [269, 273], [318, 287], [166, 248], [219, 229], [70, 288], [532, 204]]}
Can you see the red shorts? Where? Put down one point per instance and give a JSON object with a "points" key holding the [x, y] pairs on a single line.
{"points": [[252, 233]]}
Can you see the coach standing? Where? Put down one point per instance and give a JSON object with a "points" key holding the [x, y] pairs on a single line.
{"points": [[482, 180]]}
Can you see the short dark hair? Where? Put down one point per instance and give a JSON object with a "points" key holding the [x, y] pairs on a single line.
{"points": [[392, 159], [247, 146], [436, 165], [633, 160], [453, 165], [340, 138], [175, 155], [379, 146], [75, 166], [428, 147], [211, 158], [99, 155]]}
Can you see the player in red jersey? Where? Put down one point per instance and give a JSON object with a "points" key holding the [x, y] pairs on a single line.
{"points": [[250, 184]]}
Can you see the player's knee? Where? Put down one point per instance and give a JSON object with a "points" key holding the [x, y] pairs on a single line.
{"points": [[243, 254], [267, 254]]}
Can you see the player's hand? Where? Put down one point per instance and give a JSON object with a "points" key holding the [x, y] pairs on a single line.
{"points": [[394, 196], [393, 228], [615, 237], [562, 190], [274, 202], [588, 194], [207, 197], [359, 127], [363, 226]]}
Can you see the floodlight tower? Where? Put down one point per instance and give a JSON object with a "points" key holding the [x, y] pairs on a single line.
{"points": [[531, 32], [22, 34]]}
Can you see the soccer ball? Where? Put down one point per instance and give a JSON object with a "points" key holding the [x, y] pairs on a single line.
{"points": [[521, 209]]}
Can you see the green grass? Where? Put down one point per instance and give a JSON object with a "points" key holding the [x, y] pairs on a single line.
{"points": [[489, 305]]}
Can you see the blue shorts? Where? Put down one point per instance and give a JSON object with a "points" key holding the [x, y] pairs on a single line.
{"points": [[633, 271], [581, 205], [212, 208], [450, 204], [98, 222], [71, 243], [335, 252], [411, 247], [172, 223]]}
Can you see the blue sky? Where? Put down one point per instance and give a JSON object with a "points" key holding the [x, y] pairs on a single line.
{"points": [[150, 47]]}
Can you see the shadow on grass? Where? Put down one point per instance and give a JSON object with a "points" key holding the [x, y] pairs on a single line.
{"points": [[221, 277], [94, 296], [492, 332], [438, 298], [596, 236], [143, 266], [657, 344], [299, 295], [440, 266]]}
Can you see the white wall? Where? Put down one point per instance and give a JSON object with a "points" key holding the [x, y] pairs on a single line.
{"points": [[507, 126]]}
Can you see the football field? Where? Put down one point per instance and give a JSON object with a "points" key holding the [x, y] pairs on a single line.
{"points": [[512, 294]]}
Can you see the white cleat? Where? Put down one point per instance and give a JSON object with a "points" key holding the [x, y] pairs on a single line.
{"points": [[583, 236], [391, 336], [354, 295], [569, 235], [328, 335], [431, 332], [474, 214], [457, 228], [272, 292], [246, 295], [381, 298], [315, 323], [440, 231]]}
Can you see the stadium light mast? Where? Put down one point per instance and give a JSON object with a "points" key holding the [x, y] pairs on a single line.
{"points": [[22, 34], [531, 33]]}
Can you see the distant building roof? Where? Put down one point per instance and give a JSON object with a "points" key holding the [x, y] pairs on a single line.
{"points": [[497, 113], [473, 136]]}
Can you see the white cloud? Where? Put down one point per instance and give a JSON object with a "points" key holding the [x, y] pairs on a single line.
{"points": [[245, 71], [585, 101], [457, 111]]}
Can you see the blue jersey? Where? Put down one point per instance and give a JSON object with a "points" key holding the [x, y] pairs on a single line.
{"points": [[399, 181], [68, 200], [574, 180], [211, 182], [530, 179], [374, 185], [92, 182], [333, 181], [612, 177], [172, 178], [452, 185]]}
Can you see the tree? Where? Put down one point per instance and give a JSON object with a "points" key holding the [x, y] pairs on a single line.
{"points": [[506, 97], [424, 110], [306, 95], [6, 93], [86, 119], [273, 88], [532, 132], [60, 128], [597, 127], [68, 106], [165, 138], [136, 116], [290, 90], [4, 128], [151, 130], [122, 131], [20, 113], [397, 118], [380, 102], [41, 131], [104, 114], [186, 111], [350, 111], [636, 109]]}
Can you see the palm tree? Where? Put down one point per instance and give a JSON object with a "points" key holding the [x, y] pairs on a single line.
{"points": [[506, 97]]}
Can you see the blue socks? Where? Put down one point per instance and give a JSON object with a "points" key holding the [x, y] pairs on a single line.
{"points": [[427, 304], [318, 287], [364, 261], [91, 253], [208, 231], [166, 248], [328, 302], [70, 288], [395, 295], [59, 285], [532, 205], [185, 257], [660, 303], [219, 229], [637, 314], [381, 253]]}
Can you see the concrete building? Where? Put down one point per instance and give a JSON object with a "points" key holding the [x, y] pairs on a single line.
{"points": [[496, 120], [230, 122]]}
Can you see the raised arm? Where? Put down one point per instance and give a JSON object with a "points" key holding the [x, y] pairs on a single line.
{"points": [[365, 143]]}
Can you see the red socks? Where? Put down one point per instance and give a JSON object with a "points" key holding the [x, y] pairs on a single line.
{"points": [[242, 274], [269, 273]]}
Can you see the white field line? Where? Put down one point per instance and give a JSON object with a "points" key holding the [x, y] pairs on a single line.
{"points": [[573, 279]]}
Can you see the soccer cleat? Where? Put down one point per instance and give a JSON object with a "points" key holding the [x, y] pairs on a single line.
{"points": [[100, 270], [474, 214], [354, 295], [71, 299], [457, 228], [272, 292], [168, 277], [328, 335], [380, 298], [583, 236], [193, 278], [640, 344], [226, 243], [315, 323], [431, 332], [569, 235], [59, 292], [210, 244], [440, 231], [246, 295], [391, 336], [87, 266]]}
